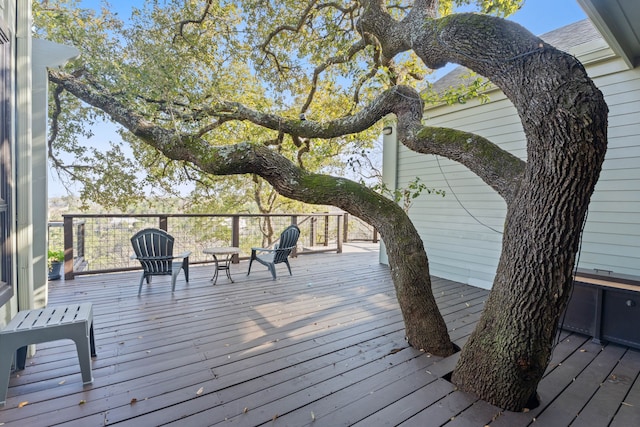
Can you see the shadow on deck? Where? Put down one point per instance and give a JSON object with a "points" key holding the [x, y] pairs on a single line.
{"points": [[324, 347]]}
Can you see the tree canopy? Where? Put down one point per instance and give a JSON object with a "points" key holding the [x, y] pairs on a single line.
{"points": [[172, 61]]}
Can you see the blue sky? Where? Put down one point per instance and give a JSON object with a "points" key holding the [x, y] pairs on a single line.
{"points": [[538, 16], [541, 16]]}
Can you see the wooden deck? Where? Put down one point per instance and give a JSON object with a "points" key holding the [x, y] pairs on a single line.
{"points": [[322, 348]]}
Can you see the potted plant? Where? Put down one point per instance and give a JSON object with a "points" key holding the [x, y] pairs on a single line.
{"points": [[54, 261]]}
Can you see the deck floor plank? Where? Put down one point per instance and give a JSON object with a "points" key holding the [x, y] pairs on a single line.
{"points": [[263, 390], [629, 411], [564, 409], [365, 389], [442, 410], [324, 347], [408, 406], [607, 400]]}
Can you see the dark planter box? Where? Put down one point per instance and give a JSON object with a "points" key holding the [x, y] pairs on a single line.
{"points": [[608, 309]]}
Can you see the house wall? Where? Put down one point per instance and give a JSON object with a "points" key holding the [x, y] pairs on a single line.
{"points": [[29, 156], [8, 11], [462, 231]]}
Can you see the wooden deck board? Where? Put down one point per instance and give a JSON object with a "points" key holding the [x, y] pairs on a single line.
{"points": [[312, 374], [324, 347], [629, 410], [562, 411], [409, 405], [441, 411], [612, 392], [363, 390]]}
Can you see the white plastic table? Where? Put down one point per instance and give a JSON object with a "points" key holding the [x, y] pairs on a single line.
{"points": [[74, 321], [228, 252]]}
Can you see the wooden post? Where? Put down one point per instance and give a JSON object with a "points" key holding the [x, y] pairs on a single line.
{"points": [[235, 237], [294, 221], [163, 221], [338, 234], [345, 233], [68, 247], [81, 238], [326, 229], [312, 231]]}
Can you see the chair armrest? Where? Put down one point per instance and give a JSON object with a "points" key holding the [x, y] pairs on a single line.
{"points": [[183, 255], [263, 250]]}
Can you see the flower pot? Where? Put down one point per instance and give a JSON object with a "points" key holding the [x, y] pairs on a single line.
{"points": [[54, 270]]}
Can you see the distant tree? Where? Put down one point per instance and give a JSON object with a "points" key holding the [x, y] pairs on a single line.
{"points": [[357, 60]]}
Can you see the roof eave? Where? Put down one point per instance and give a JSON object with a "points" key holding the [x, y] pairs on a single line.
{"points": [[619, 24]]}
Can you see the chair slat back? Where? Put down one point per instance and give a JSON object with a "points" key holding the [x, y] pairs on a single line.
{"points": [[154, 250], [288, 240]]}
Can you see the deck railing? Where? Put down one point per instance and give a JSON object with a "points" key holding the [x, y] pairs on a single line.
{"points": [[99, 243]]}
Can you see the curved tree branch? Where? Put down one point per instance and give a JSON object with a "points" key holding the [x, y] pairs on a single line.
{"points": [[292, 28], [403, 101], [355, 48], [185, 22], [407, 257]]}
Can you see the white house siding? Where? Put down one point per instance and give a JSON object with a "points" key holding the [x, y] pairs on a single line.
{"points": [[465, 246], [8, 9], [611, 240], [28, 163], [462, 246]]}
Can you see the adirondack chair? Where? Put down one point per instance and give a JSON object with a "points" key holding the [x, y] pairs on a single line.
{"points": [[154, 249], [280, 252]]}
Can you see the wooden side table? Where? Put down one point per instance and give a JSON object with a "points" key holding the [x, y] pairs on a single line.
{"points": [[228, 252]]}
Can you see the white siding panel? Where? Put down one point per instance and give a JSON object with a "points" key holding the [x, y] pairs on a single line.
{"points": [[609, 262], [619, 174], [462, 249], [629, 230], [615, 196], [625, 147], [459, 246], [617, 185], [614, 217]]}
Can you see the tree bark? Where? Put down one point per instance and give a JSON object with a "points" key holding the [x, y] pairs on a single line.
{"points": [[507, 354], [564, 118]]}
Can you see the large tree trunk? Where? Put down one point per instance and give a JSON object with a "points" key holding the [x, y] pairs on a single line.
{"points": [[425, 327], [507, 354], [564, 118]]}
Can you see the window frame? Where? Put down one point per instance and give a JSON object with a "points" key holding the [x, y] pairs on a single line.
{"points": [[6, 277]]}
